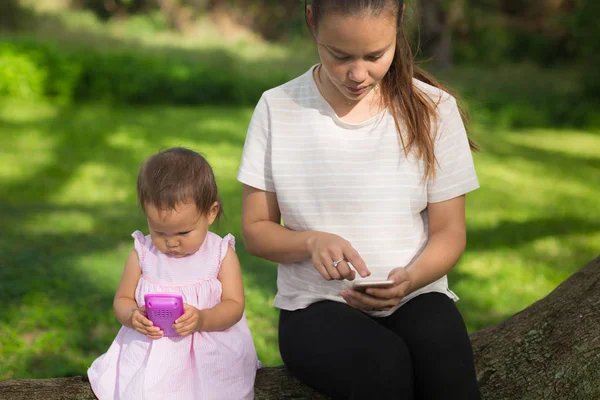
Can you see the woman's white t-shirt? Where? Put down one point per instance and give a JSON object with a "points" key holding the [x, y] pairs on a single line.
{"points": [[353, 180]]}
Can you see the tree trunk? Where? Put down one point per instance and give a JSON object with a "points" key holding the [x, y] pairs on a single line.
{"points": [[549, 351], [436, 38], [10, 14]]}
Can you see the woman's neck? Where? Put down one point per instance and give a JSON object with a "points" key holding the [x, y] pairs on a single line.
{"points": [[353, 111]]}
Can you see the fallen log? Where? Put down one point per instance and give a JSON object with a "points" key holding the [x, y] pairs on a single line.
{"points": [[549, 351]]}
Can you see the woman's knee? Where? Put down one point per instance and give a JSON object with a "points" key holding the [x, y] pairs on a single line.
{"points": [[355, 367], [384, 372]]}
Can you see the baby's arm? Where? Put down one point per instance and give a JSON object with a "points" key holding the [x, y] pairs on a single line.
{"points": [[225, 314], [125, 306]]}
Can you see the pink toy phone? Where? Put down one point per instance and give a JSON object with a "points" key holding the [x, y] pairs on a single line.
{"points": [[163, 309], [364, 285]]}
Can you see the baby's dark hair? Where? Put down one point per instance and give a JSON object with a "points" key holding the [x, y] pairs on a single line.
{"points": [[175, 176]]}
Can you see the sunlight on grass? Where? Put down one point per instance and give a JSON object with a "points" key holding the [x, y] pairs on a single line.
{"points": [[126, 138], [68, 205], [57, 222], [570, 142], [15, 111], [39, 146], [531, 224], [262, 319], [106, 267], [92, 183]]}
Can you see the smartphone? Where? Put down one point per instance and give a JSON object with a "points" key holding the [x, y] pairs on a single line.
{"points": [[364, 285], [163, 309]]}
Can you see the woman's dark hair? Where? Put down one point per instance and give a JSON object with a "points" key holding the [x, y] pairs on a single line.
{"points": [[404, 101]]}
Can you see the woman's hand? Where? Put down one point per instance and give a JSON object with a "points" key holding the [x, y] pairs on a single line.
{"points": [[191, 321], [375, 299], [143, 325], [331, 256]]}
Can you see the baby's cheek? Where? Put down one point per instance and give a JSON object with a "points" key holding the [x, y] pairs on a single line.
{"points": [[157, 242]]}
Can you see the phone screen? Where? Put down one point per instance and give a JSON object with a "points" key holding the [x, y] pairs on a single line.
{"points": [[363, 285]]}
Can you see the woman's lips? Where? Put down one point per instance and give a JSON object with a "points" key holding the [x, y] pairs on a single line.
{"points": [[356, 91]]}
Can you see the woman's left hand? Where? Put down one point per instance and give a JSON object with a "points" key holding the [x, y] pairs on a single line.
{"points": [[191, 321], [375, 299]]}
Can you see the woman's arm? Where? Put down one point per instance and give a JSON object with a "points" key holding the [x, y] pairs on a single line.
{"points": [[265, 237], [447, 240], [262, 231]]}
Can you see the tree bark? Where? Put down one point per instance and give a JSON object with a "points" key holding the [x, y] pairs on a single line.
{"points": [[436, 38], [11, 14], [549, 351]]}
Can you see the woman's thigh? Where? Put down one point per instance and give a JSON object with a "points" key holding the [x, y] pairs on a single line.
{"points": [[344, 353], [442, 356]]}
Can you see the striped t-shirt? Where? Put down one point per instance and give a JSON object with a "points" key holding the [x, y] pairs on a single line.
{"points": [[352, 180]]}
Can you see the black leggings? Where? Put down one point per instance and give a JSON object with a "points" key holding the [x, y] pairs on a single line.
{"points": [[421, 351]]}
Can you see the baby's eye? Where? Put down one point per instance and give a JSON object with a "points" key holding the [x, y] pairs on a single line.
{"points": [[184, 233]]}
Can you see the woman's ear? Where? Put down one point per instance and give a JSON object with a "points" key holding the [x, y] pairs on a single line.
{"points": [[310, 20]]}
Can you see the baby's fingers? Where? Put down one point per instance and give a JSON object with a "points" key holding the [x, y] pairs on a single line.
{"points": [[141, 320], [152, 332], [146, 329], [155, 334], [187, 314], [184, 329]]}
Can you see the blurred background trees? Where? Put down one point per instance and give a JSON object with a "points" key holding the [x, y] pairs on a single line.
{"points": [[489, 31]]}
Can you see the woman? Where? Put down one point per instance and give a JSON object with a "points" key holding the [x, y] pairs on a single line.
{"points": [[366, 161]]}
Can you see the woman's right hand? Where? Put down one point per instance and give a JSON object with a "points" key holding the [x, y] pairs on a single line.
{"points": [[326, 251], [143, 325]]}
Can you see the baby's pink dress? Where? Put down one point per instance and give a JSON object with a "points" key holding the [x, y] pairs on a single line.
{"points": [[205, 365]]}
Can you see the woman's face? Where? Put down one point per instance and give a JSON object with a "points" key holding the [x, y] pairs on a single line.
{"points": [[356, 51]]}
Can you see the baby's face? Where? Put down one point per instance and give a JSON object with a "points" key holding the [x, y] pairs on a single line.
{"points": [[180, 232]]}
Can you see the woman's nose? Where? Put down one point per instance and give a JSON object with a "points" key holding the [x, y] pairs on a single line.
{"points": [[357, 73]]}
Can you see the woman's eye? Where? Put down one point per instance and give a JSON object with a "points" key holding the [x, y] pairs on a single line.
{"points": [[374, 58]]}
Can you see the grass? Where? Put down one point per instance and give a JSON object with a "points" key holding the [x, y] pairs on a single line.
{"points": [[67, 206], [67, 198]]}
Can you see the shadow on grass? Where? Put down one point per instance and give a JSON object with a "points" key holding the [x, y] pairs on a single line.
{"points": [[45, 267], [511, 234], [480, 308], [557, 163]]}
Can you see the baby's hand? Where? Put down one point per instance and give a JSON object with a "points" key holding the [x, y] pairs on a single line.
{"points": [[191, 321], [143, 325]]}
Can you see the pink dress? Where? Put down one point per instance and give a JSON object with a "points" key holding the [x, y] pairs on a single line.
{"points": [[205, 365]]}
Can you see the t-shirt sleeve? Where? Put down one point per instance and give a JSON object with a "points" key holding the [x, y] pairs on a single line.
{"points": [[255, 166], [455, 171]]}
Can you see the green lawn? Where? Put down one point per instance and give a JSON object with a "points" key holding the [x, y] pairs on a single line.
{"points": [[67, 207]]}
